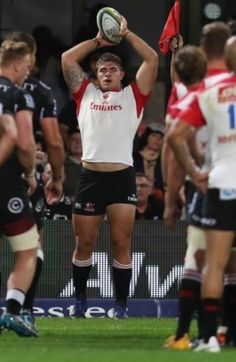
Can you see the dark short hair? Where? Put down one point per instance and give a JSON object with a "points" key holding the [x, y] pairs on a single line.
{"points": [[213, 38], [38, 137], [109, 57], [142, 142], [190, 64], [73, 131]]}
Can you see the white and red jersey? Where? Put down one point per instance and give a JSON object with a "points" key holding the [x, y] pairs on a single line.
{"points": [[178, 91], [215, 107], [181, 96], [213, 76], [108, 122], [180, 104]]}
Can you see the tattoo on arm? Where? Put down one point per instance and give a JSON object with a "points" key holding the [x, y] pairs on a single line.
{"points": [[74, 76]]}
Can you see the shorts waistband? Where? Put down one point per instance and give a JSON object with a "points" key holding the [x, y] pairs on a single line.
{"points": [[107, 173]]}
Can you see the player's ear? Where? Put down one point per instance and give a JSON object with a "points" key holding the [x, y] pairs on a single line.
{"points": [[16, 66], [122, 74]]}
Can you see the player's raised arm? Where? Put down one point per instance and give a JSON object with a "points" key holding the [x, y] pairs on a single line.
{"points": [[147, 72], [72, 71]]}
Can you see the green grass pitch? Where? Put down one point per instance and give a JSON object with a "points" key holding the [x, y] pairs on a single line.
{"points": [[101, 340]]}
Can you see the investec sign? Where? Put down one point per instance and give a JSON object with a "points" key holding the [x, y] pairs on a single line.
{"points": [[157, 287]]}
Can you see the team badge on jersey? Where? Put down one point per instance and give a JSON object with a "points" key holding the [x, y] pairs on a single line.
{"points": [[15, 205]]}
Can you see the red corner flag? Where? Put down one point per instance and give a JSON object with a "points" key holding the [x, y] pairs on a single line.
{"points": [[171, 28]]}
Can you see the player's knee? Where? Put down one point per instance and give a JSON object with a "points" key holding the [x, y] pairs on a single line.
{"points": [[85, 244], [121, 246]]}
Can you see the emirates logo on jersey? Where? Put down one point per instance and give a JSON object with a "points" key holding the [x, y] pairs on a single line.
{"points": [[227, 94], [104, 106]]}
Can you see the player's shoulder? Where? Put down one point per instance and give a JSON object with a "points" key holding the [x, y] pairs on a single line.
{"points": [[36, 84], [211, 84], [214, 79], [44, 86], [180, 89], [5, 81], [183, 103], [7, 86], [216, 88], [19, 92], [28, 99]]}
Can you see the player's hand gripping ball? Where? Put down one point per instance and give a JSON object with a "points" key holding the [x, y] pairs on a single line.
{"points": [[108, 22]]}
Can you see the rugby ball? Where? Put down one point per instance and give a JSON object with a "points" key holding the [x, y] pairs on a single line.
{"points": [[108, 22]]}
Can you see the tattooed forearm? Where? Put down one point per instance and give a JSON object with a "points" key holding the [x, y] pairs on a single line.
{"points": [[74, 76]]}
